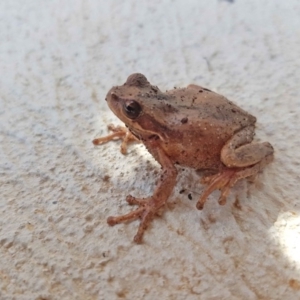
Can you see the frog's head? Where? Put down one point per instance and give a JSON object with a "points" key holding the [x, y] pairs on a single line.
{"points": [[125, 100], [136, 103]]}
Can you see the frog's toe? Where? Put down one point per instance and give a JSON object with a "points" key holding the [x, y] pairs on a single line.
{"points": [[145, 221], [224, 193], [136, 201], [223, 181], [125, 218], [119, 132]]}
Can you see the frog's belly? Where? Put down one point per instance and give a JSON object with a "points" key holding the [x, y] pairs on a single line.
{"points": [[200, 156]]}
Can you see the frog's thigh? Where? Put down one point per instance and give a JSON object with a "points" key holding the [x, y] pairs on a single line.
{"points": [[240, 152]]}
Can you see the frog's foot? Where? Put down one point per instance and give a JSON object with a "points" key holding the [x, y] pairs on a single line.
{"points": [[119, 132], [227, 178], [146, 211], [223, 181]]}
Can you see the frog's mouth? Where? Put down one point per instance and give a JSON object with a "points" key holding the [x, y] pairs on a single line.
{"points": [[145, 134]]}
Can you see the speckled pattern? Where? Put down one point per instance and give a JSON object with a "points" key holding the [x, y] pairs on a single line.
{"points": [[58, 60]]}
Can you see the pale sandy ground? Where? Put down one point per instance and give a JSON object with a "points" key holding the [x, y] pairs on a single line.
{"points": [[58, 59]]}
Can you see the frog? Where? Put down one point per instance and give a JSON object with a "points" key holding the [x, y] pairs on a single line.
{"points": [[191, 127]]}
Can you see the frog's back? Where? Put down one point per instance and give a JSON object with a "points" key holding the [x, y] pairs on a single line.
{"points": [[201, 105], [204, 122]]}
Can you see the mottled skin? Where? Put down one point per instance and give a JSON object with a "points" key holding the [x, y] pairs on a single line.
{"points": [[192, 127]]}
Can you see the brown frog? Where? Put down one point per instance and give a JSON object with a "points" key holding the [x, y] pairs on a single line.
{"points": [[192, 127]]}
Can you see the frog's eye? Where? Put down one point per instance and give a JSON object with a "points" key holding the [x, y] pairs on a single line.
{"points": [[132, 109]]}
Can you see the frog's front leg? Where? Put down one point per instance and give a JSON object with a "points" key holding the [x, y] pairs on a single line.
{"points": [[119, 132], [149, 206], [241, 159]]}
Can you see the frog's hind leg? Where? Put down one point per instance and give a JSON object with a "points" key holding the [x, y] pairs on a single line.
{"points": [[119, 132], [240, 152], [241, 159], [227, 178]]}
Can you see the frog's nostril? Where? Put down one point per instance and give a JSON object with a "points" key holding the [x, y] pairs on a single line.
{"points": [[114, 96]]}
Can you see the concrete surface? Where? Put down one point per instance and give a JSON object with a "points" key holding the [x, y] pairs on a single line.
{"points": [[58, 59]]}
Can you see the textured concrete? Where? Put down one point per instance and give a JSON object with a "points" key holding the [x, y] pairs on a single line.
{"points": [[58, 59]]}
